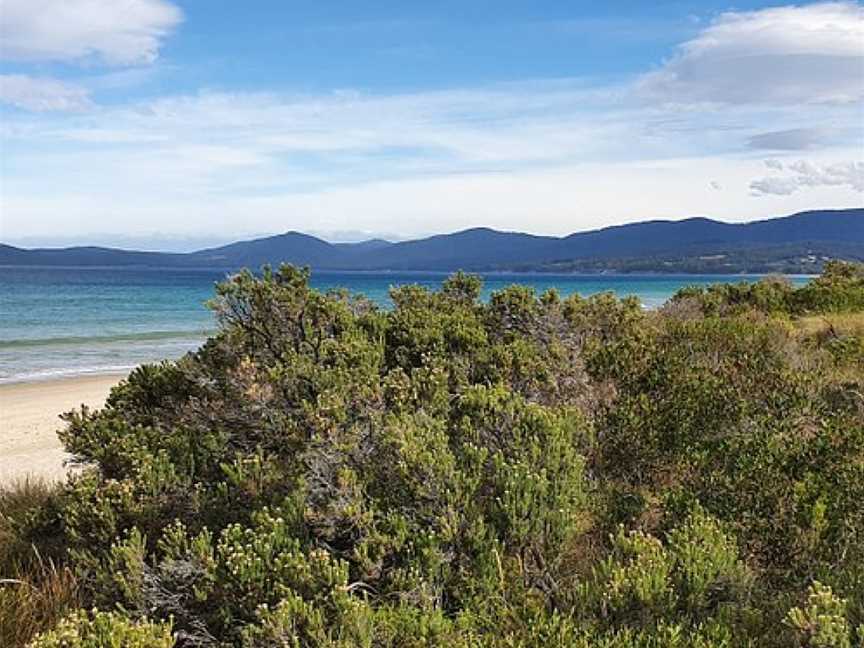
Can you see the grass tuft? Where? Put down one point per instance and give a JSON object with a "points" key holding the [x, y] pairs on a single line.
{"points": [[35, 592]]}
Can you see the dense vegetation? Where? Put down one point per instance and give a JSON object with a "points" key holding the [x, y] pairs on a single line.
{"points": [[531, 471], [840, 289], [800, 258]]}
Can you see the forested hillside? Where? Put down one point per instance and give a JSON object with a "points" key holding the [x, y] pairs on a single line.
{"points": [[798, 243], [531, 471]]}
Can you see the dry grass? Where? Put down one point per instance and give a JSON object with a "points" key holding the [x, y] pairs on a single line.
{"points": [[17, 500], [35, 592], [839, 340], [822, 326], [35, 601]]}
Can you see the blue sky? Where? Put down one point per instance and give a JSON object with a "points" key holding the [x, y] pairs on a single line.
{"points": [[170, 124]]}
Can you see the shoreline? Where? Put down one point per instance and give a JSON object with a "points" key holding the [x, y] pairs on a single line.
{"points": [[61, 375], [30, 418], [601, 272]]}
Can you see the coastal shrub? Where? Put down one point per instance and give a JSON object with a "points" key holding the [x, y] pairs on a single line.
{"points": [[695, 574], [529, 470], [105, 630], [821, 622], [839, 289]]}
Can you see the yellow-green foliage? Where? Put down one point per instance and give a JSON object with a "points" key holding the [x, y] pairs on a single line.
{"points": [[528, 471], [105, 630], [822, 621], [839, 289]]}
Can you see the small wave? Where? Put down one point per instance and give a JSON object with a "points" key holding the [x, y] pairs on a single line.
{"points": [[54, 374], [148, 336]]}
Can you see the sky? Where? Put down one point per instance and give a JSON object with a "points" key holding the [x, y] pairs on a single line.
{"points": [[170, 125]]}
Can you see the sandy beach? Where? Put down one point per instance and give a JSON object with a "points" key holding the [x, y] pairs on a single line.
{"points": [[29, 420]]}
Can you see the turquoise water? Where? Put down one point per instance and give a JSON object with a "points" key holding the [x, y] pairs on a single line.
{"points": [[72, 321]]}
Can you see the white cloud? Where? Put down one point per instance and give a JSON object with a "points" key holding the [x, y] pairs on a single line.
{"points": [[480, 127], [804, 174], [193, 191], [810, 53], [548, 156], [774, 185], [112, 32], [40, 94], [793, 139]]}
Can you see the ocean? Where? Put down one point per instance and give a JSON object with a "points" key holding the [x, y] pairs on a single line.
{"points": [[74, 321]]}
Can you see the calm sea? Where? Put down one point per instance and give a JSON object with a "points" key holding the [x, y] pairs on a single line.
{"points": [[72, 321]]}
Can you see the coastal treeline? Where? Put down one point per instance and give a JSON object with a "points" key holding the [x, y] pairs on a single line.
{"points": [[526, 471]]}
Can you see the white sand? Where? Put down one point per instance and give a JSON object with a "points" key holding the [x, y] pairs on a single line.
{"points": [[29, 420]]}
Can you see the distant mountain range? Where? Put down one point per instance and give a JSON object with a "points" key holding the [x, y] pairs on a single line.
{"points": [[796, 243]]}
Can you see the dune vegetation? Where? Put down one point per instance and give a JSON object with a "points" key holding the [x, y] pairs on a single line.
{"points": [[527, 471]]}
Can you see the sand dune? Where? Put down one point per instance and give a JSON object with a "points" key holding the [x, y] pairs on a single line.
{"points": [[29, 420]]}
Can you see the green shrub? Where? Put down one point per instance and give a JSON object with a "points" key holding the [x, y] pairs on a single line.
{"points": [[529, 471], [105, 630], [821, 623], [839, 289]]}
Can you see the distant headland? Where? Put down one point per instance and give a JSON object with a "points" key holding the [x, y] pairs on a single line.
{"points": [[799, 243]]}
